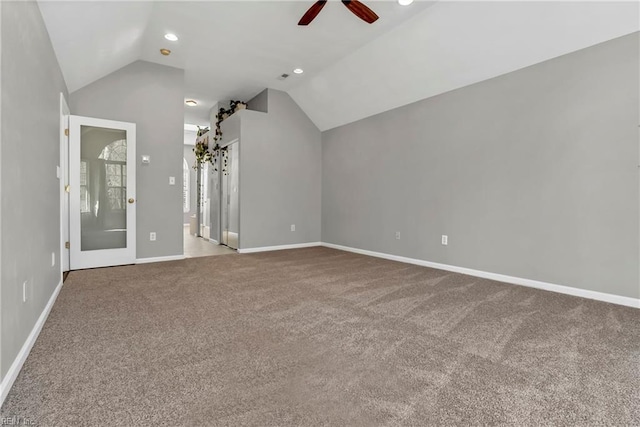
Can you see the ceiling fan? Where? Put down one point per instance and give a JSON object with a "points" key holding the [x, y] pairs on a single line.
{"points": [[356, 7]]}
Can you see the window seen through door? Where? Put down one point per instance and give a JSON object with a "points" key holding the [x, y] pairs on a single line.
{"points": [[115, 157], [84, 186]]}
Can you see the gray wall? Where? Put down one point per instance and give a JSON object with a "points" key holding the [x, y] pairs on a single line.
{"points": [[280, 173], [533, 174], [190, 156], [151, 96], [30, 204], [260, 102]]}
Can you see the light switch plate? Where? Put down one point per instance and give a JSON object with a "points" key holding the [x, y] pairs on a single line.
{"points": [[172, 180]]}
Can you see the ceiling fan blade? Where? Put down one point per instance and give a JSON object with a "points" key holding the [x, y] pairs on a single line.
{"points": [[361, 11], [313, 11]]}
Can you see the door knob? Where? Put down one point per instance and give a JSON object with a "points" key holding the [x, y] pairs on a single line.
{"points": [[131, 200]]}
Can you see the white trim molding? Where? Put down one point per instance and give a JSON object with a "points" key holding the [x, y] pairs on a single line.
{"points": [[600, 296], [16, 366], [159, 259], [279, 248]]}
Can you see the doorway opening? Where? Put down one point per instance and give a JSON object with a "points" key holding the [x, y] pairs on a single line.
{"points": [[200, 236]]}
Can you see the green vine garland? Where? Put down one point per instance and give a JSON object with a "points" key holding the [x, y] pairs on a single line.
{"points": [[201, 150], [217, 150]]}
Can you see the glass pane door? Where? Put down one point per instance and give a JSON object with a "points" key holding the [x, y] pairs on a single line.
{"points": [[102, 188]]}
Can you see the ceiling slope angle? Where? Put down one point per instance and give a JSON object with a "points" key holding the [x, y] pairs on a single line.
{"points": [[228, 49], [92, 39], [235, 49], [454, 44]]}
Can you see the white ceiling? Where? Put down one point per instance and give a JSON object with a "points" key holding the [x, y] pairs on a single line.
{"points": [[228, 49], [234, 49]]}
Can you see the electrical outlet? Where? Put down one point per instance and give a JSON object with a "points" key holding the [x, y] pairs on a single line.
{"points": [[397, 235], [293, 227], [172, 180], [53, 259], [24, 291], [152, 236], [445, 240]]}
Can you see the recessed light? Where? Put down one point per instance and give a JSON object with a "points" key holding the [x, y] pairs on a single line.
{"points": [[405, 2], [298, 71], [165, 52], [171, 37], [191, 102]]}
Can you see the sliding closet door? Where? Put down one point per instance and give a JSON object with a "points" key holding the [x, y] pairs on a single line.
{"points": [[205, 201], [224, 207], [233, 199], [230, 218]]}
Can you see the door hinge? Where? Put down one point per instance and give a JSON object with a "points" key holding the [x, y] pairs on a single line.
{"points": [[67, 188], [66, 132], [67, 245]]}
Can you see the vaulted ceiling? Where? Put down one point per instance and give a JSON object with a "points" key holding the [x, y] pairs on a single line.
{"points": [[234, 49]]}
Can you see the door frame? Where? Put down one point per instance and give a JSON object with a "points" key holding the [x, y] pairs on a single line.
{"points": [[103, 257], [64, 181]]}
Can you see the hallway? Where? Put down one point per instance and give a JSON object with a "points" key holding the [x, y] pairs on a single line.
{"points": [[199, 247]]}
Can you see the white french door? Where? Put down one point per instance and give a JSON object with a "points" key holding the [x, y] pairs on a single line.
{"points": [[64, 184], [102, 193]]}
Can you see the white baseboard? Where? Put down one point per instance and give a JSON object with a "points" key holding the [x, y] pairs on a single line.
{"points": [[16, 366], [600, 296], [214, 241], [159, 259], [279, 248]]}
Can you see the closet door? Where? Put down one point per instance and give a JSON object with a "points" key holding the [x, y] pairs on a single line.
{"points": [[233, 199], [224, 206]]}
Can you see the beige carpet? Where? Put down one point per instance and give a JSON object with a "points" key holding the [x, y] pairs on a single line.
{"points": [[322, 337]]}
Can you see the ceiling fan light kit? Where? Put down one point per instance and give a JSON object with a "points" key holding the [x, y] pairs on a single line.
{"points": [[356, 7]]}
